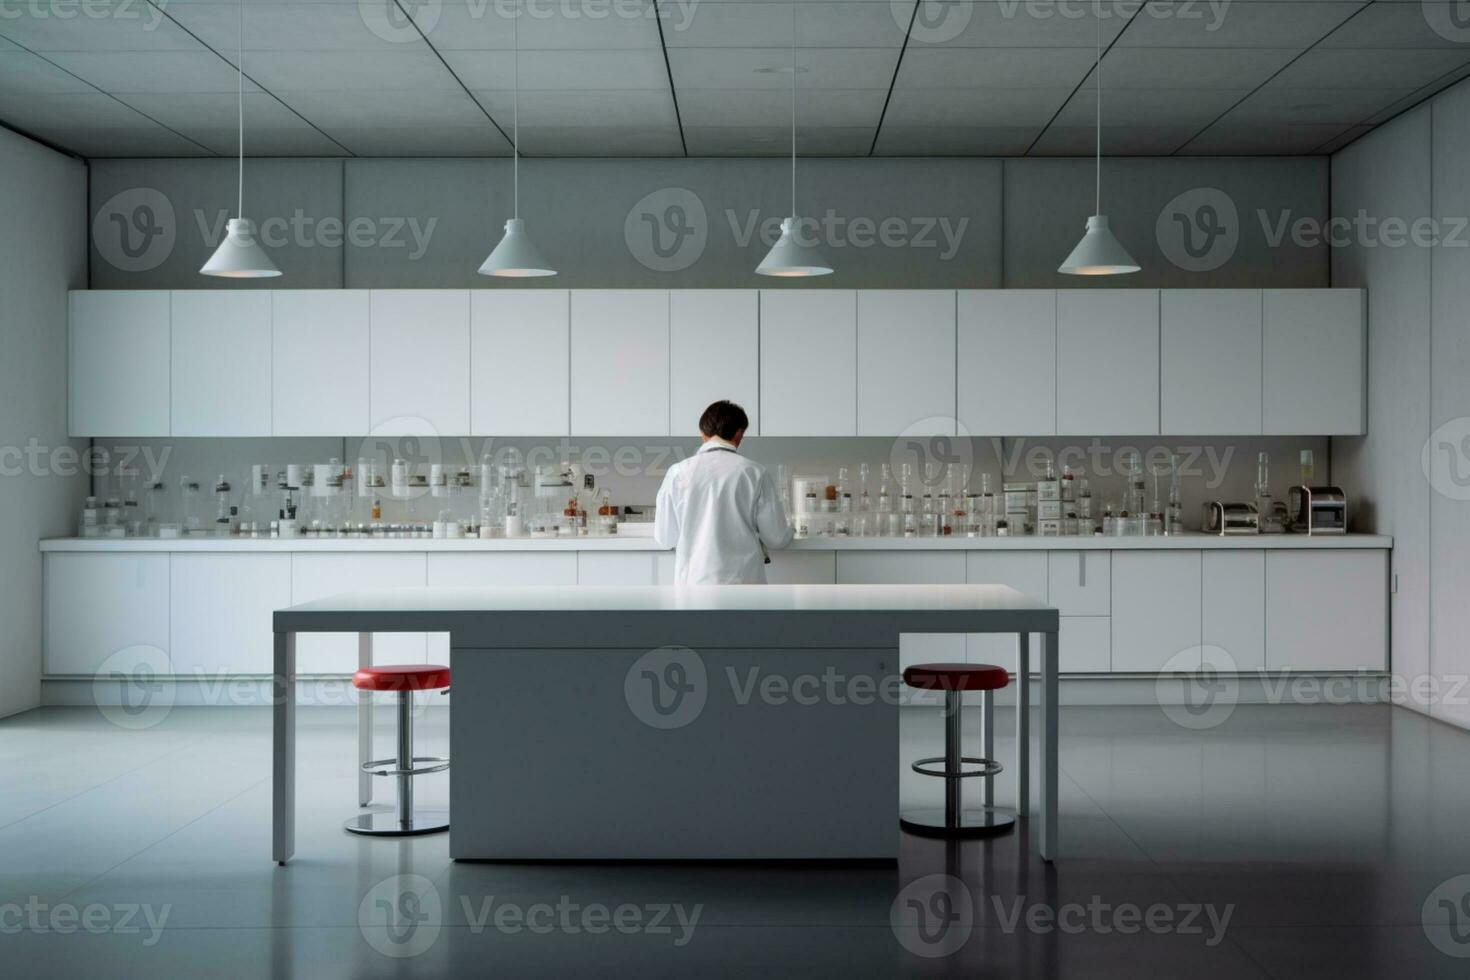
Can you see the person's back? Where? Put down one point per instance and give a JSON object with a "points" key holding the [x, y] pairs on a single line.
{"points": [[717, 508]]}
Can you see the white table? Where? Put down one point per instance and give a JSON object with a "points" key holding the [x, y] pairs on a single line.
{"points": [[555, 756]]}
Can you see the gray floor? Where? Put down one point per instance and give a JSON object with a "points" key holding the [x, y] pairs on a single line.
{"points": [[1322, 832]]}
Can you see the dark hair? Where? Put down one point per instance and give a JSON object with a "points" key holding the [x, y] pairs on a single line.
{"points": [[723, 419]]}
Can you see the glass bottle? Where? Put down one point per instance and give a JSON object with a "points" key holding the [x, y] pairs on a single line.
{"points": [[189, 505]]}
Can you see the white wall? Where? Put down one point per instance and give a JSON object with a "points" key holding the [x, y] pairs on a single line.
{"points": [[1418, 362], [42, 254]]}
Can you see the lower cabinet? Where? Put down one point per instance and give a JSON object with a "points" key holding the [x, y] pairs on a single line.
{"points": [[1024, 571], [1156, 610], [318, 576], [1086, 643], [1326, 610], [468, 571], [99, 608], [604, 568], [220, 611], [1233, 630]]}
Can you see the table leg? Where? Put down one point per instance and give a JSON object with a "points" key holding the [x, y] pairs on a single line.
{"points": [[283, 746], [1050, 652], [364, 723], [1023, 725]]}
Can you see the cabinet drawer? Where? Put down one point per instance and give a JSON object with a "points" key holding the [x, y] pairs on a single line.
{"points": [[1079, 583], [1156, 610]]}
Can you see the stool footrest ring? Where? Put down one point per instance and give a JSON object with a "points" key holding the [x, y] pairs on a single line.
{"points": [[436, 764], [987, 767]]}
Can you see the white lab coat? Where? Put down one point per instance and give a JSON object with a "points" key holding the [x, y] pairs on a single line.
{"points": [[715, 509]]}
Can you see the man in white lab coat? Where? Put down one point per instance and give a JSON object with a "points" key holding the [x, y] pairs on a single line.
{"points": [[718, 509]]}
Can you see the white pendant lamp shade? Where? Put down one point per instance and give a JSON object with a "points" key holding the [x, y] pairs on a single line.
{"points": [[516, 257], [1099, 253], [790, 258], [240, 256]]}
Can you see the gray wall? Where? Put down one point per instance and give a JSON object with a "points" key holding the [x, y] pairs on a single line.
{"points": [[894, 222], [1409, 472], [43, 254]]}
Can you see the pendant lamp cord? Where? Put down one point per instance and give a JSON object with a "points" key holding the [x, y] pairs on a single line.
{"points": [[515, 116], [1097, 68], [793, 110], [240, 109]]}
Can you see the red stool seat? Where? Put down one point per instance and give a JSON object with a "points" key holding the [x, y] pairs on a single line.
{"points": [[956, 677], [401, 677]]}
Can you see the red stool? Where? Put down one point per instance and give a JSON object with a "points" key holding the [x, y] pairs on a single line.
{"points": [[954, 820], [405, 821]]}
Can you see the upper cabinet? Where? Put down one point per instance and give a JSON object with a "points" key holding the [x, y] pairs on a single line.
{"points": [[1108, 362], [905, 362], [221, 363], [645, 362], [620, 362], [808, 356], [1314, 362], [1007, 361], [714, 353], [119, 383], [520, 349], [321, 362], [1210, 362], [420, 362]]}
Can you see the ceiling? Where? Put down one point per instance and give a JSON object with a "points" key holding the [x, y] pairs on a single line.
{"points": [[669, 78]]}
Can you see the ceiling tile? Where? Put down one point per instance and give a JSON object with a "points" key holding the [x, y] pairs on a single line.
{"points": [[818, 25], [179, 110], [739, 68], [1284, 104], [1015, 23], [576, 70], [999, 141], [418, 141], [775, 141], [1430, 24], [93, 25], [93, 124], [348, 71], [402, 108], [1118, 141], [23, 73], [601, 25], [604, 110], [289, 27], [1150, 107], [153, 71], [841, 108], [1339, 68], [1248, 138], [104, 142], [585, 141], [1196, 68], [1283, 24], [950, 68], [943, 108], [266, 141]]}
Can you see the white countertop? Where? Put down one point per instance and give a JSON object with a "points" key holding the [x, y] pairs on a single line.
{"points": [[1185, 542]]}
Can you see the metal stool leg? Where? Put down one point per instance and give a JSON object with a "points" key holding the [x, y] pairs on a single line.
{"points": [[954, 820], [953, 788], [404, 821], [987, 744]]}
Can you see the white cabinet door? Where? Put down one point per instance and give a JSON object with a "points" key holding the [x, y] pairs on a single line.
{"points": [[906, 366], [220, 612], [1024, 571], [620, 362], [221, 357], [786, 568], [1079, 582], [1108, 362], [1007, 352], [808, 362], [1327, 610], [614, 568], [1210, 362], [119, 377], [911, 568], [490, 569], [1234, 591], [1086, 643], [316, 576], [714, 353], [420, 362], [1314, 362], [520, 362], [321, 352], [1156, 610], [98, 606]]}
